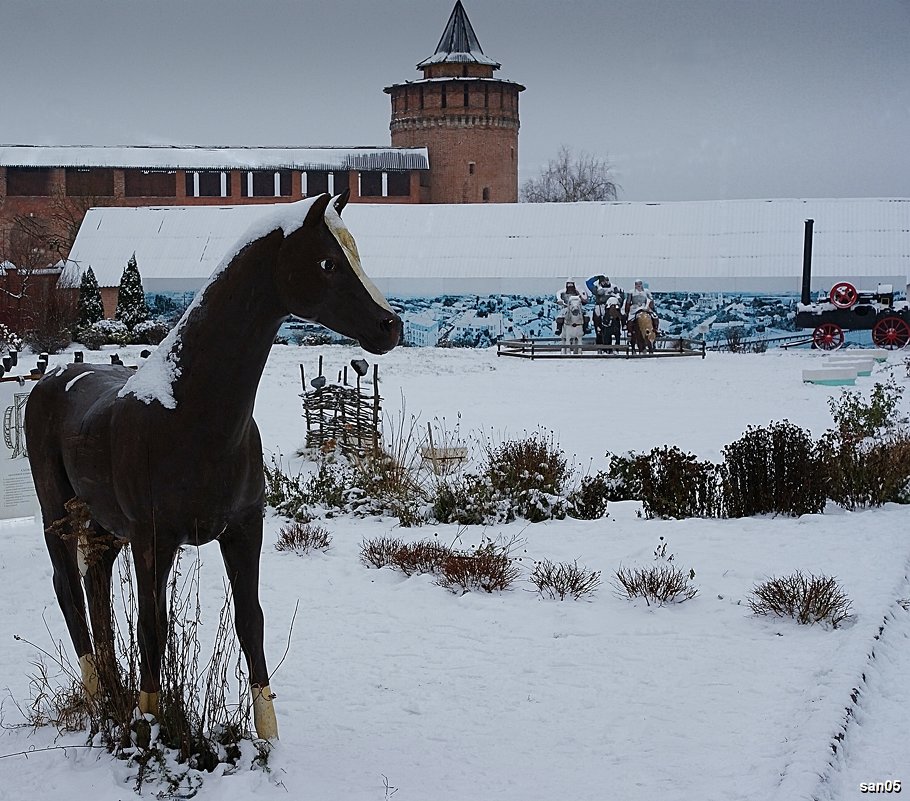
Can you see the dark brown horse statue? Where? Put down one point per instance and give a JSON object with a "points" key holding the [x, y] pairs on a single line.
{"points": [[169, 455], [642, 330]]}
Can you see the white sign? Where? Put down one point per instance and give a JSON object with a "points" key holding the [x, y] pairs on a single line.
{"points": [[17, 490]]}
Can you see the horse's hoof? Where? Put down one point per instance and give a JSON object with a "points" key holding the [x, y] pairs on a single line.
{"points": [[264, 720]]}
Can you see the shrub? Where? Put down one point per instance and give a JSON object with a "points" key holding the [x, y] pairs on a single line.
{"points": [[302, 537], [197, 727], [855, 418], [806, 598], [48, 340], [658, 584], [623, 477], [778, 469], [389, 482], [9, 339], [561, 580], [104, 332], [588, 501], [488, 567], [150, 332], [675, 484], [411, 558], [295, 496], [518, 478], [380, 551], [531, 473], [867, 472], [425, 556], [469, 499]]}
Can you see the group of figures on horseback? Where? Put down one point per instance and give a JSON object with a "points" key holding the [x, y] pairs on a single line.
{"points": [[613, 309]]}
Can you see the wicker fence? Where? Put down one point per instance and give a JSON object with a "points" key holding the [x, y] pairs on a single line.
{"points": [[342, 415]]}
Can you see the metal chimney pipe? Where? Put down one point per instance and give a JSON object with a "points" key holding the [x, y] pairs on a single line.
{"points": [[806, 297]]}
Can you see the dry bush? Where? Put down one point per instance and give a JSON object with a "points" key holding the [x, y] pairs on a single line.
{"points": [[806, 598], [303, 537], [658, 584], [425, 556], [380, 551], [561, 579], [197, 728], [390, 479], [489, 567]]}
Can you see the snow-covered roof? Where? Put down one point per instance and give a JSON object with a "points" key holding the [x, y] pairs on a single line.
{"points": [[459, 43], [530, 248], [179, 157]]}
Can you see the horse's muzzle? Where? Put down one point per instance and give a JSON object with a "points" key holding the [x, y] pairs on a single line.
{"points": [[389, 335]]}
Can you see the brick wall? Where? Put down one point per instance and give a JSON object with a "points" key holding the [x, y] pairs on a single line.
{"points": [[483, 133]]}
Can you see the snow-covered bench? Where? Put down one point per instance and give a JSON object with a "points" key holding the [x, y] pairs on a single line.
{"points": [[863, 367], [830, 376]]}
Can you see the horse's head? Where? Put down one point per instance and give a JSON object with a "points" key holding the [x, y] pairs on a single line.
{"points": [[574, 305], [319, 278]]}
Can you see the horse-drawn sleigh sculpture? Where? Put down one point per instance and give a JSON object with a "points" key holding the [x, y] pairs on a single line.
{"points": [[169, 455], [845, 308]]}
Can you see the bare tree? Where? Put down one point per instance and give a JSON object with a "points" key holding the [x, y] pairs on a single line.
{"points": [[571, 177]]}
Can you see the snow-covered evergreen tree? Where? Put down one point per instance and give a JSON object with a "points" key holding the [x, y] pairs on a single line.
{"points": [[91, 309], [131, 305]]}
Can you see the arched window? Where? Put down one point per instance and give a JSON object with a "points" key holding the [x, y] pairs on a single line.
{"points": [[486, 194]]}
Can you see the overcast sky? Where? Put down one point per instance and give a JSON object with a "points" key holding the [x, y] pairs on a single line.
{"points": [[689, 99]]}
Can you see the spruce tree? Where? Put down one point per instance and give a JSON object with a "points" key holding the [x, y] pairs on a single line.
{"points": [[131, 306], [91, 309]]}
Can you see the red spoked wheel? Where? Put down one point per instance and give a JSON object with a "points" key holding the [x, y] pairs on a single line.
{"points": [[828, 336], [891, 332], [844, 295]]}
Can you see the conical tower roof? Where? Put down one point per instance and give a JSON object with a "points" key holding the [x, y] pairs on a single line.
{"points": [[459, 43]]}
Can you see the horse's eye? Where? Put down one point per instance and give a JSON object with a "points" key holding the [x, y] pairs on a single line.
{"points": [[327, 265]]}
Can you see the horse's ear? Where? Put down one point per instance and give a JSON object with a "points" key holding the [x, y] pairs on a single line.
{"points": [[316, 214], [341, 201]]}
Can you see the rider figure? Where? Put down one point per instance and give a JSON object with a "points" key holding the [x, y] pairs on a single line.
{"points": [[607, 309], [562, 299], [639, 299]]}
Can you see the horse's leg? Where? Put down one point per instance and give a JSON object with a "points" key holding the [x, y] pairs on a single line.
{"points": [[68, 589], [153, 566], [54, 491], [240, 545], [98, 594]]}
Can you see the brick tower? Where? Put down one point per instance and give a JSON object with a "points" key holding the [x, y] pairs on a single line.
{"points": [[466, 118]]}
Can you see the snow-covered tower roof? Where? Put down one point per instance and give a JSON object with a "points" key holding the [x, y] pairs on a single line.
{"points": [[458, 43]]}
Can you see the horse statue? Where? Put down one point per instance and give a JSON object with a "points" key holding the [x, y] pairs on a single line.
{"points": [[573, 327], [642, 330], [169, 455], [607, 320]]}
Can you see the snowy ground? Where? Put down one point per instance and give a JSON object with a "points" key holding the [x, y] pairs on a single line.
{"points": [[395, 688]]}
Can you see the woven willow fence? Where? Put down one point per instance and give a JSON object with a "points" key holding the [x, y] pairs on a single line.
{"points": [[340, 415]]}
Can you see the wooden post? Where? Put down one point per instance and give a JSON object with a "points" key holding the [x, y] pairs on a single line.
{"points": [[302, 378], [358, 411], [375, 408]]}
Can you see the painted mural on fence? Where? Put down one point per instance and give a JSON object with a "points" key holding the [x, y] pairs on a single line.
{"points": [[482, 320]]}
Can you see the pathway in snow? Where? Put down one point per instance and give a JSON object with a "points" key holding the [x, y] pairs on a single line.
{"points": [[874, 747]]}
